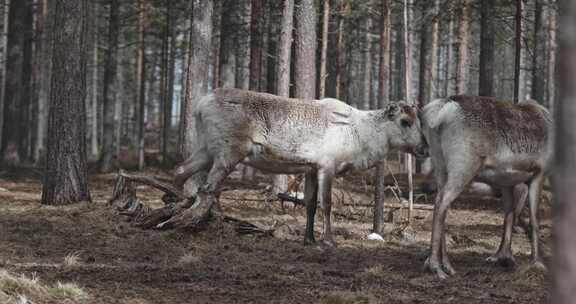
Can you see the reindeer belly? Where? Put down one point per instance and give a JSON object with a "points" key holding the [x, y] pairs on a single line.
{"points": [[503, 176], [274, 159]]}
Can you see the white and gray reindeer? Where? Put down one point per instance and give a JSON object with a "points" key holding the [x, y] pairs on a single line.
{"points": [[495, 142], [322, 139]]}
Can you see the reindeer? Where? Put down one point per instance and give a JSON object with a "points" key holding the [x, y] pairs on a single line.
{"points": [[322, 139], [495, 142]]}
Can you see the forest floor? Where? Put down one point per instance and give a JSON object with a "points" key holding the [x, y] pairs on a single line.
{"points": [[112, 262]]}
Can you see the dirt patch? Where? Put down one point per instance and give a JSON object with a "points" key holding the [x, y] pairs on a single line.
{"points": [[113, 262]]}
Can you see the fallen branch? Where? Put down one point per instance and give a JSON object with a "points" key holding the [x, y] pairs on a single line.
{"points": [[156, 183]]}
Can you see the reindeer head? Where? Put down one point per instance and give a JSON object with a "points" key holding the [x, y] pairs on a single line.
{"points": [[403, 128]]}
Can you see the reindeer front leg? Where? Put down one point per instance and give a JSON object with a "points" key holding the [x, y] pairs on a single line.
{"points": [[311, 202], [325, 177]]}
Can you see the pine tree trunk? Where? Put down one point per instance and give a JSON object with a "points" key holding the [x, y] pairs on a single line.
{"points": [[280, 182], [169, 105], [198, 67], [94, 149], [305, 56], [256, 18], [564, 261], [517, 49], [65, 180], [552, 47], [17, 82], [43, 81], [141, 80], [539, 61], [324, 50], [216, 45], [487, 48], [110, 88], [463, 48], [383, 97], [341, 55], [452, 58], [367, 64]]}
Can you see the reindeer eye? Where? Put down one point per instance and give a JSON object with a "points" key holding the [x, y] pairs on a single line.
{"points": [[405, 123]]}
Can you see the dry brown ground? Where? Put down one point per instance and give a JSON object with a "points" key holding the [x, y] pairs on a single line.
{"points": [[115, 263]]}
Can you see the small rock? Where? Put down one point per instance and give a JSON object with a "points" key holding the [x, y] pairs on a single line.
{"points": [[375, 237]]}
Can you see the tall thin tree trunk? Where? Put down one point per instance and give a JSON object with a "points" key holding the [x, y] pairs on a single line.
{"points": [[383, 97], [43, 81], [199, 64], [280, 183], [539, 61], [169, 105], [110, 87], [256, 18], [186, 85], [487, 48], [217, 48], [66, 179], [17, 81], [95, 85], [4, 45], [551, 66], [341, 54], [305, 56], [408, 7], [518, 49], [141, 79], [367, 67], [324, 51], [452, 59], [564, 261], [463, 48]]}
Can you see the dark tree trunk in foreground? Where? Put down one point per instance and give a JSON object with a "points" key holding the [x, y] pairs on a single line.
{"points": [[17, 82], [305, 67], [564, 262], [487, 38], [110, 79], [383, 96], [65, 179]]}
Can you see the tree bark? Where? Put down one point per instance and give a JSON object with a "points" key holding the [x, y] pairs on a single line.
{"points": [[305, 66], [141, 79], [463, 48], [17, 82], [280, 183], [518, 49], [324, 51], [43, 81], [564, 261], [65, 180], [538, 77], [198, 67], [341, 54], [487, 48], [383, 98], [256, 18], [551, 66], [367, 64], [539, 61], [94, 149], [110, 88]]}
